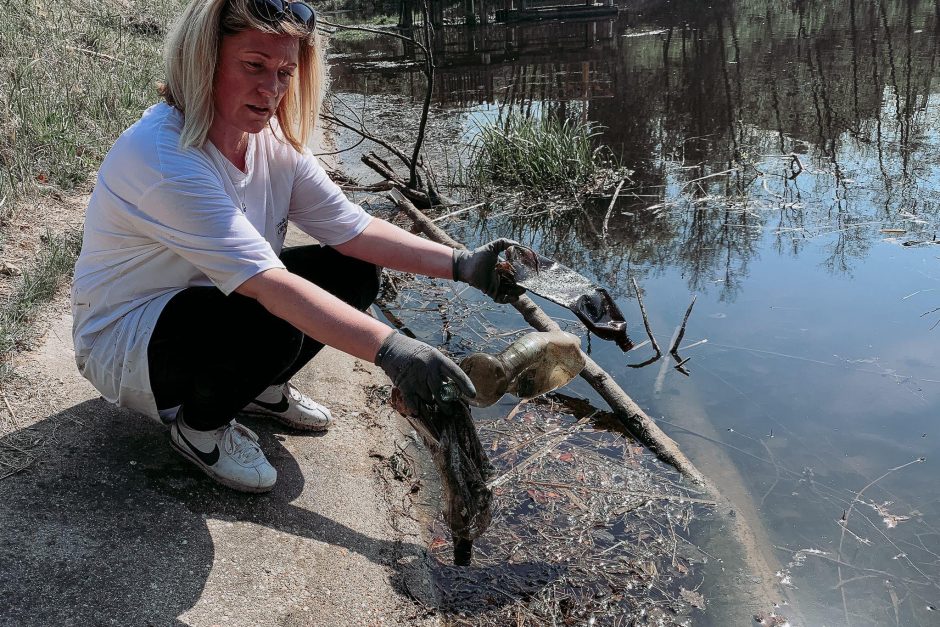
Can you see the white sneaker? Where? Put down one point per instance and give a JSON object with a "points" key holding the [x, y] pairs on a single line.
{"points": [[230, 455], [293, 408]]}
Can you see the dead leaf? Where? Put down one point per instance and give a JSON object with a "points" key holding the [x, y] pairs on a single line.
{"points": [[693, 598]]}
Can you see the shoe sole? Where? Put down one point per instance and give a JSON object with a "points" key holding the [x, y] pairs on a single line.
{"points": [[228, 483], [254, 410]]}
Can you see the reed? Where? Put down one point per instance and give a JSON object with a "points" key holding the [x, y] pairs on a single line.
{"points": [[544, 154]]}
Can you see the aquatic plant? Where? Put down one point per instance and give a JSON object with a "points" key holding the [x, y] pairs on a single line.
{"points": [[541, 153]]}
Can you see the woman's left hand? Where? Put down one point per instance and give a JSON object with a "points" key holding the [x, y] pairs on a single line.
{"points": [[478, 268]]}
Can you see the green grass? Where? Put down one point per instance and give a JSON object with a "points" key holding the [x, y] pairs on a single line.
{"points": [[73, 75], [39, 284], [542, 154]]}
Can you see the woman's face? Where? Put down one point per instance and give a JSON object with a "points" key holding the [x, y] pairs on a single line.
{"points": [[253, 75]]}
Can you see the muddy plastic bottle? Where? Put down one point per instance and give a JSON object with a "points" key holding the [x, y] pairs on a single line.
{"points": [[532, 365]]}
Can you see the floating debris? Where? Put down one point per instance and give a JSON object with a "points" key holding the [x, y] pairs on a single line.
{"points": [[534, 364], [891, 520], [588, 526]]}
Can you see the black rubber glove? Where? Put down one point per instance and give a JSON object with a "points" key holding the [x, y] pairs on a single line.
{"points": [[420, 371], [478, 268]]}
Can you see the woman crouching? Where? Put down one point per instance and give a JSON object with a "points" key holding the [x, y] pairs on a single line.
{"points": [[186, 305]]}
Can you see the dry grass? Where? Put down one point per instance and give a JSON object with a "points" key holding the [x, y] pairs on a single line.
{"points": [[588, 527], [73, 76], [79, 73]]}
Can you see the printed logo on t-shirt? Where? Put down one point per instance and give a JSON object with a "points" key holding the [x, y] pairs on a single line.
{"points": [[282, 226]]}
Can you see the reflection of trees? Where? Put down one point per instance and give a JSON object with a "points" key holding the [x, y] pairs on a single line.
{"points": [[846, 85]]}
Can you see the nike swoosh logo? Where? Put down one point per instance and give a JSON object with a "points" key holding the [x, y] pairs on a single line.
{"points": [[207, 458], [280, 407]]}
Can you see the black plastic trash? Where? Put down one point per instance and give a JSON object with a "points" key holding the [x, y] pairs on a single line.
{"points": [[448, 432]]}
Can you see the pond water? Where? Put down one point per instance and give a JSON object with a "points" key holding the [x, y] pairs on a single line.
{"points": [[786, 162]]}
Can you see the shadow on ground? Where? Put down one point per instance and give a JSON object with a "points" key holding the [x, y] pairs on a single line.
{"points": [[108, 525]]}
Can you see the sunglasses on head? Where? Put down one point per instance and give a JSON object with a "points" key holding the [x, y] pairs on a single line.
{"points": [[273, 11]]}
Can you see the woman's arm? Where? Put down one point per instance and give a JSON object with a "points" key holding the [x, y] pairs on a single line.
{"points": [[384, 244], [415, 368], [316, 312]]}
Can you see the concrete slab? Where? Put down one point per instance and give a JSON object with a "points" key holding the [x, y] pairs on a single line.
{"points": [[109, 526]]}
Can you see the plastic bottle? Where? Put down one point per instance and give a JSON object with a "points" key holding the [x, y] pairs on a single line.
{"points": [[536, 363]]}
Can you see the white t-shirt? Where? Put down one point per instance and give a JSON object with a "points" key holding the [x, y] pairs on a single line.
{"points": [[162, 219]]}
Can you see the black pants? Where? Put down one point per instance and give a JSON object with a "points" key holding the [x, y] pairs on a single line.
{"points": [[213, 354]]}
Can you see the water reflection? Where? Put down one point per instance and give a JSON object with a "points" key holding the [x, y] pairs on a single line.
{"points": [[685, 90], [786, 169]]}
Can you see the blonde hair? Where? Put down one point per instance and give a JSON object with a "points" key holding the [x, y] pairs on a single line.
{"points": [[191, 54]]}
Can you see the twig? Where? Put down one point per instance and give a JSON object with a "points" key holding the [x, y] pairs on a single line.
{"points": [[18, 470], [674, 351], [525, 463], [709, 176], [100, 55], [426, 107], [646, 324], [382, 186], [610, 208], [372, 138], [376, 31], [458, 212], [6, 402], [648, 495], [845, 523]]}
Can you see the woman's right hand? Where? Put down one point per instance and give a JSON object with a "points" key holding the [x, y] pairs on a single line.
{"points": [[419, 371]]}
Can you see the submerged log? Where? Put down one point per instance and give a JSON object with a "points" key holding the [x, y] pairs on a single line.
{"points": [[625, 408]]}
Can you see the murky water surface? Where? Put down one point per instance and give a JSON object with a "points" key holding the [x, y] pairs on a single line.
{"points": [[787, 172]]}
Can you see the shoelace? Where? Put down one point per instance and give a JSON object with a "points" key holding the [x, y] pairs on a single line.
{"points": [[293, 393], [241, 443]]}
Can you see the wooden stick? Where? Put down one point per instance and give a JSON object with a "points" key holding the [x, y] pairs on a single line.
{"points": [[646, 321], [6, 402], [458, 212], [627, 492], [610, 207], [625, 408], [674, 351], [379, 165]]}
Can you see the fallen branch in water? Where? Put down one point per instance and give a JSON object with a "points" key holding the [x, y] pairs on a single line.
{"points": [[425, 199], [674, 351], [649, 331], [625, 408]]}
